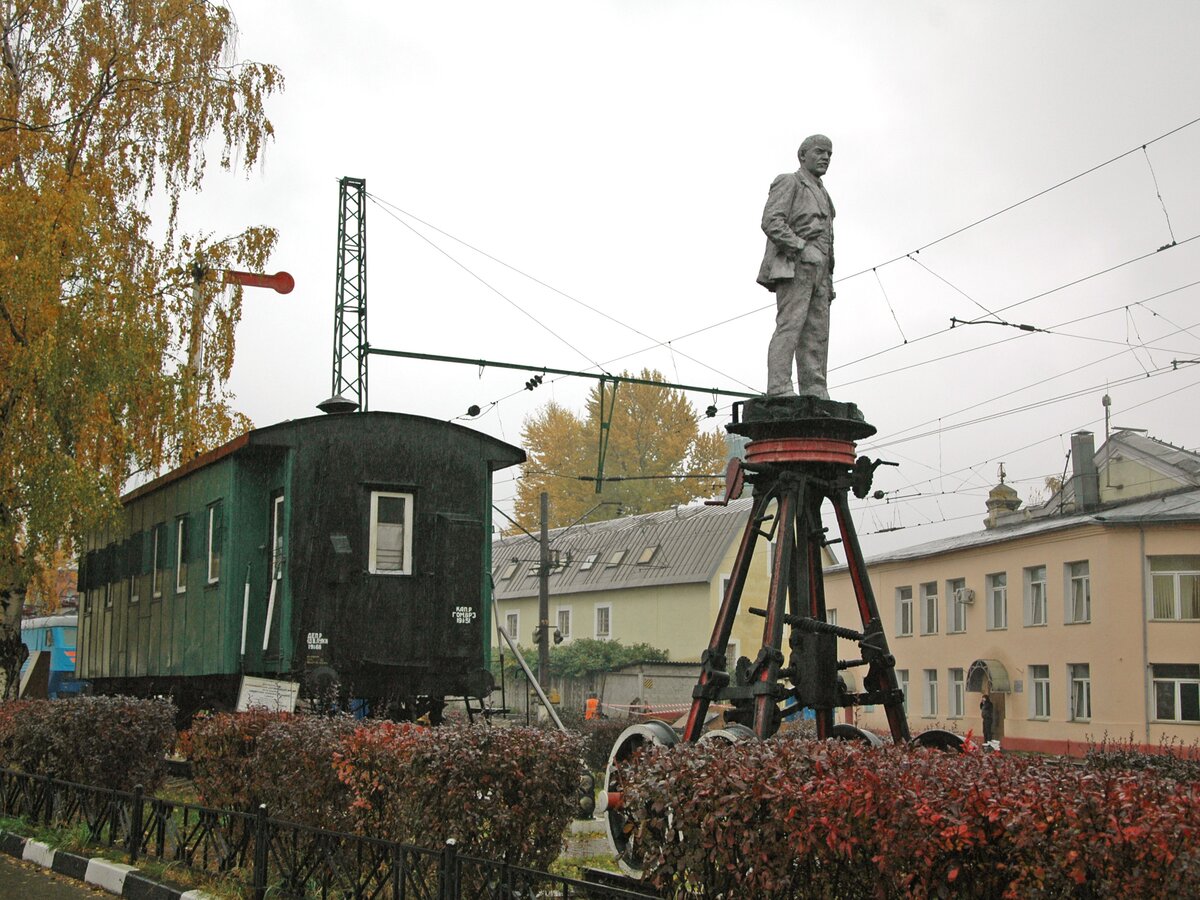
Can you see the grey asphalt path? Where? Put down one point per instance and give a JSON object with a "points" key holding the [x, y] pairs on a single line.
{"points": [[26, 881]]}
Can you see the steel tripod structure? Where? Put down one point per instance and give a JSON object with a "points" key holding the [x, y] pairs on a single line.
{"points": [[801, 455]]}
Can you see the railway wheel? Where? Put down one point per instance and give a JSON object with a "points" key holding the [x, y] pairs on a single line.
{"points": [[845, 732], [618, 824], [940, 739], [731, 734]]}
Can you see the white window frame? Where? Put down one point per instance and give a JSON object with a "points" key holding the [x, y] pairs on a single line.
{"points": [[929, 608], [831, 616], [1077, 592], [514, 630], [558, 619], [956, 609], [509, 570], [615, 558], [607, 609], [157, 570], [904, 611], [588, 561], [958, 694], [1039, 692], [213, 568], [1036, 603], [1177, 683], [1175, 574], [902, 680], [373, 547], [930, 692], [997, 600], [181, 531], [1079, 692], [135, 587]]}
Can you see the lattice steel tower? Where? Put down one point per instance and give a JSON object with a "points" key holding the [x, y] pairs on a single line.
{"points": [[350, 309]]}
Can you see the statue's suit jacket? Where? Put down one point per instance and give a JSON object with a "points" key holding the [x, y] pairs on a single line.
{"points": [[798, 212]]}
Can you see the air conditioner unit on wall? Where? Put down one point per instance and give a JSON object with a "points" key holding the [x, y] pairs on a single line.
{"points": [[964, 595]]}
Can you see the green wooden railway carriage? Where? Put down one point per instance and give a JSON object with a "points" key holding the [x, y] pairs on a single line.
{"points": [[348, 553]]}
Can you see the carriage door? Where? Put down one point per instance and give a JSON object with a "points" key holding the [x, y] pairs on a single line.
{"points": [[459, 570], [275, 586]]}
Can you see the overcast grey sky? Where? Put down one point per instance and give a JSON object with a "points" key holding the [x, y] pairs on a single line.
{"points": [[620, 152]]}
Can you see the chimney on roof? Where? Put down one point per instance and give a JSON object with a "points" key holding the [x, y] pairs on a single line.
{"points": [[1084, 472]]}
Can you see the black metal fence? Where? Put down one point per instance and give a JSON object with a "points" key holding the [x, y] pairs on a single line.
{"points": [[285, 858]]}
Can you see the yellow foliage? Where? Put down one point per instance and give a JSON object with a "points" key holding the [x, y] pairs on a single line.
{"points": [[107, 108], [654, 433]]}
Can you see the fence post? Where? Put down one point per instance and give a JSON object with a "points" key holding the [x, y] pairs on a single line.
{"points": [[135, 823], [260, 852], [48, 802], [449, 871]]}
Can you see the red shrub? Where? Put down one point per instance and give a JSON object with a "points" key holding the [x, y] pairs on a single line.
{"points": [[116, 742], [792, 818], [293, 770], [221, 748], [500, 793]]}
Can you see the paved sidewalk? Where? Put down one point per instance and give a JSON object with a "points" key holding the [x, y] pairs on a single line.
{"points": [[101, 874]]}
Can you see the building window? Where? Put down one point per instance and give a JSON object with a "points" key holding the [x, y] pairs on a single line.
{"points": [[158, 559], [215, 539], [647, 554], [1039, 692], [615, 558], [958, 694], [831, 616], [929, 608], [1079, 592], [588, 561], [1176, 692], [956, 605], [391, 533], [902, 678], [1035, 595], [603, 622], [564, 622], [181, 555], [1175, 582], [134, 548], [997, 601], [510, 570], [512, 625], [904, 611], [1080, 678], [931, 692]]}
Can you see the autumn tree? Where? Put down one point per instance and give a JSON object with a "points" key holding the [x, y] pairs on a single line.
{"points": [[655, 448], [109, 110]]}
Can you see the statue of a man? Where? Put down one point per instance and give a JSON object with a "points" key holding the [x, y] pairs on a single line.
{"points": [[798, 267]]}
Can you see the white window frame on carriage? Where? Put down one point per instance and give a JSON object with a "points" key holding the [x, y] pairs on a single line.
{"points": [[384, 537]]}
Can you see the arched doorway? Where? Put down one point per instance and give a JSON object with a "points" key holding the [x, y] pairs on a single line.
{"points": [[990, 678]]}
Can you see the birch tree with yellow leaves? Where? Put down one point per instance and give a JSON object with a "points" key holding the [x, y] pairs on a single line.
{"points": [[110, 109], [656, 455]]}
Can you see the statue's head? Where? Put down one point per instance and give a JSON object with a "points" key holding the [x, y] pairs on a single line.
{"points": [[815, 152]]}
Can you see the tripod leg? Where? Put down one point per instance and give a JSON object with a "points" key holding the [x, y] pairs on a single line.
{"points": [[881, 670], [713, 664], [783, 581]]}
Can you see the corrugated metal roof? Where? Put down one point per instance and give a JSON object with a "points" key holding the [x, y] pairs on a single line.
{"points": [[1179, 507], [679, 546]]}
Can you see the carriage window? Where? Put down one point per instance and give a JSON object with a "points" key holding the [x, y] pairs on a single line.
{"points": [[181, 556], [214, 543], [391, 533], [158, 560]]}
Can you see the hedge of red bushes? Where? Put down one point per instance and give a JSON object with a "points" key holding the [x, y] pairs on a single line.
{"points": [[797, 818], [501, 793], [115, 742]]}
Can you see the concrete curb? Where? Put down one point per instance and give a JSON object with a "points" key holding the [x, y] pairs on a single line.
{"points": [[116, 878]]}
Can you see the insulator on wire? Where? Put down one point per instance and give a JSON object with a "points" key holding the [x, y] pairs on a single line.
{"points": [[711, 412], [473, 410], [533, 382]]}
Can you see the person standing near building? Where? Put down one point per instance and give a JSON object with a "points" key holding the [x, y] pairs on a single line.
{"points": [[798, 267], [986, 712]]}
